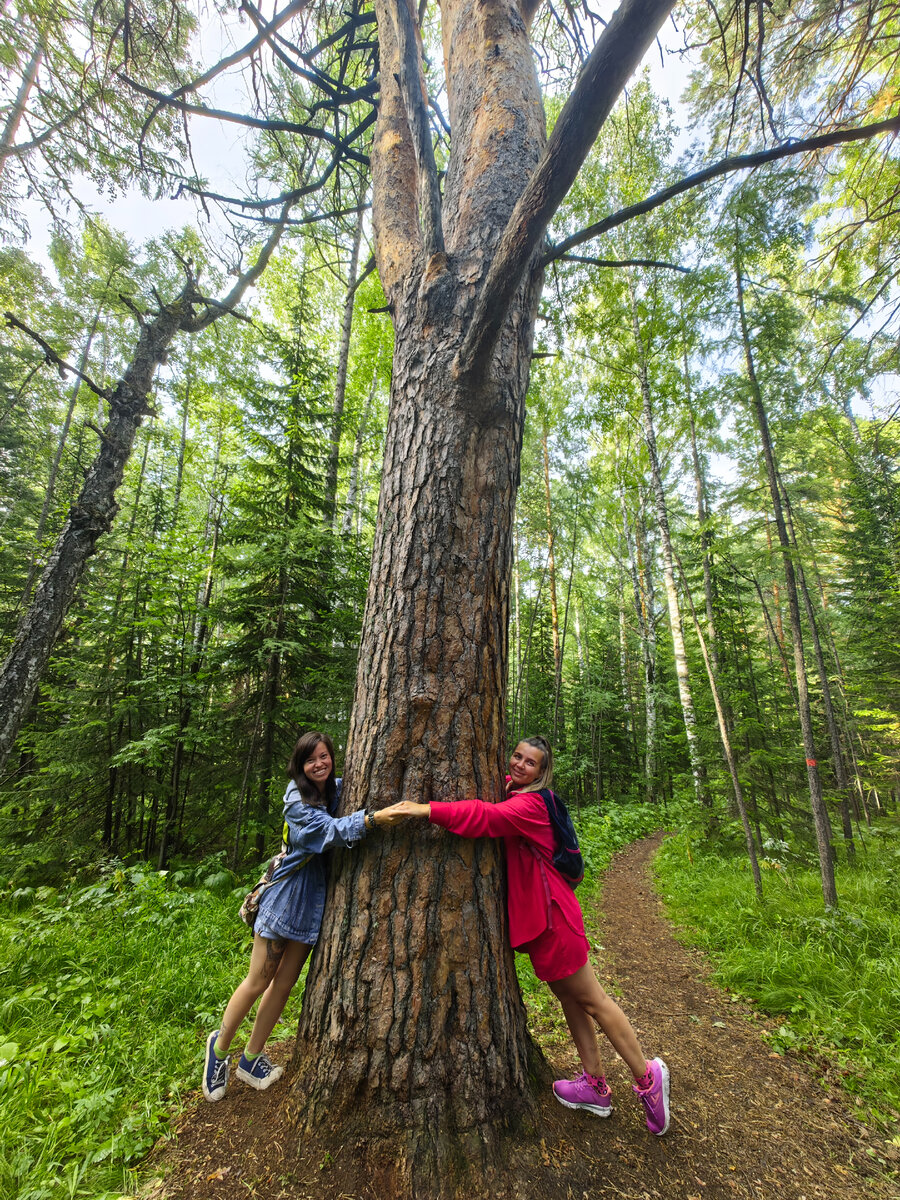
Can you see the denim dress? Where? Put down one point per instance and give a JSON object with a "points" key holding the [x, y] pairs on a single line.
{"points": [[292, 907]]}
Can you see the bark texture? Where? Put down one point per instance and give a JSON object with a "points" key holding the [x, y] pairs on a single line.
{"points": [[412, 1039], [413, 1026]]}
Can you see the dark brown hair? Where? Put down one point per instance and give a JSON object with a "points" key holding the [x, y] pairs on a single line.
{"points": [[302, 752]]}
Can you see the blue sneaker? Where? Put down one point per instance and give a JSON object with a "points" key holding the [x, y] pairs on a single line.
{"points": [[215, 1070], [260, 1073]]}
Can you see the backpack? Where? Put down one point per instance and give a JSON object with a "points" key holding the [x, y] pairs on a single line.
{"points": [[567, 855]]}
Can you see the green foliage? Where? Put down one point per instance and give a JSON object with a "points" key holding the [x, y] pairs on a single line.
{"points": [[105, 991], [831, 980]]}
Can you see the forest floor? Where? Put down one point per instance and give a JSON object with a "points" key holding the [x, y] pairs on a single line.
{"points": [[746, 1122]]}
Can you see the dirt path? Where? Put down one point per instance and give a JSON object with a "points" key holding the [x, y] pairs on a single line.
{"points": [[745, 1123]]}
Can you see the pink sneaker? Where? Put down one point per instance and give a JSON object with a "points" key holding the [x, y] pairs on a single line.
{"points": [[587, 1092], [655, 1097]]}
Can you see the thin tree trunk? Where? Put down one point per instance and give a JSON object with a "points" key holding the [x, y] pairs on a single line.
{"points": [[705, 538], [645, 607], [682, 674], [726, 743], [551, 568], [340, 384], [57, 459], [834, 736], [819, 811], [350, 508], [182, 442], [19, 105]]}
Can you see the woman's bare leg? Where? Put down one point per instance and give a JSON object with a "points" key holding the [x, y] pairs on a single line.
{"points": [[264, 961], [275, 997], [584, 1001]]}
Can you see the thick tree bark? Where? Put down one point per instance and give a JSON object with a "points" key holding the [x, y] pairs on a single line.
{"points": [[413, 1029], [413, 1037]]}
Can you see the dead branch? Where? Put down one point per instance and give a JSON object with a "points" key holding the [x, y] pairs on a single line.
{"points": [[412, 88], [54, 359]]}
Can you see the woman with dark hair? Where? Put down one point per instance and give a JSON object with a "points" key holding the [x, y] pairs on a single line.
{"points": [[290, 912], [545, 922]]}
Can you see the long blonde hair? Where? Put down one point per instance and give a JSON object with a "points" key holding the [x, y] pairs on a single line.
{"points": [[546, 776]]}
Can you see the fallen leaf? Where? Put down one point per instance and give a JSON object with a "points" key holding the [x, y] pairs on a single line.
{"points": [[219, 1173]]}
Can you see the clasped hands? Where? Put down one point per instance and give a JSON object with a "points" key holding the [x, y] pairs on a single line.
{"points": [[403, 811]]}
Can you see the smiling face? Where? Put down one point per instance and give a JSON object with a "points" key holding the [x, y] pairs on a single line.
{"points": [[318, 766], [526, 764]]}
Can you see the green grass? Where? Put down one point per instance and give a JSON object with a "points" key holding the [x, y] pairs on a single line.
{"points": [[832, 979], [106, 991], [104, 996]]}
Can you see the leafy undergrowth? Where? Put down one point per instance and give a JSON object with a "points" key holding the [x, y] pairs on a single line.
{"points": [[103, 994], [831, 979]]}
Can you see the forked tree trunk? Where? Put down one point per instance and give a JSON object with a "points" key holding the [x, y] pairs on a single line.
{"points": [[413, 1030], [412, 1048]]}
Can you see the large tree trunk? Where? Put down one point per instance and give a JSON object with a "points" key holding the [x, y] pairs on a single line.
{"points": [[413, 1030], [412, 1040]]}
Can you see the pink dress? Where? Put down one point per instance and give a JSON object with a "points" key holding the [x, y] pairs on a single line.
{"points": [[545, 918]]}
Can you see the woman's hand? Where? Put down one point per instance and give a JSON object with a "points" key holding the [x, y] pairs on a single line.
{"points": [[396, 813]]}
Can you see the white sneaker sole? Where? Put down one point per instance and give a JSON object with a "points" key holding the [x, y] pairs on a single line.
{"points": [[259, 1084], [591, 1108]]}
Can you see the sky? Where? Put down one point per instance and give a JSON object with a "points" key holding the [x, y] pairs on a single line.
{"points": [[219, 150]]}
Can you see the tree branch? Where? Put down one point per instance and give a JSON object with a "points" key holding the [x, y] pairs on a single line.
{"points": [[265, 32], [221, 114], [735, 162], [215, 308], [52, 357], [412, 88], [617, 53], [623, 262]]}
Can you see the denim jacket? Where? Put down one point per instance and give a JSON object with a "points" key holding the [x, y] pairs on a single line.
{"points": [[292, 907]]}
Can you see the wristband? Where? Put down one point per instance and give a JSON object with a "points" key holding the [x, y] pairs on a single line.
{"points": [[369, 820]]}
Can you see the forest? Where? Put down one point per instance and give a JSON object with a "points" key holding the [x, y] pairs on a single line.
{"points": [[496, 369]]}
